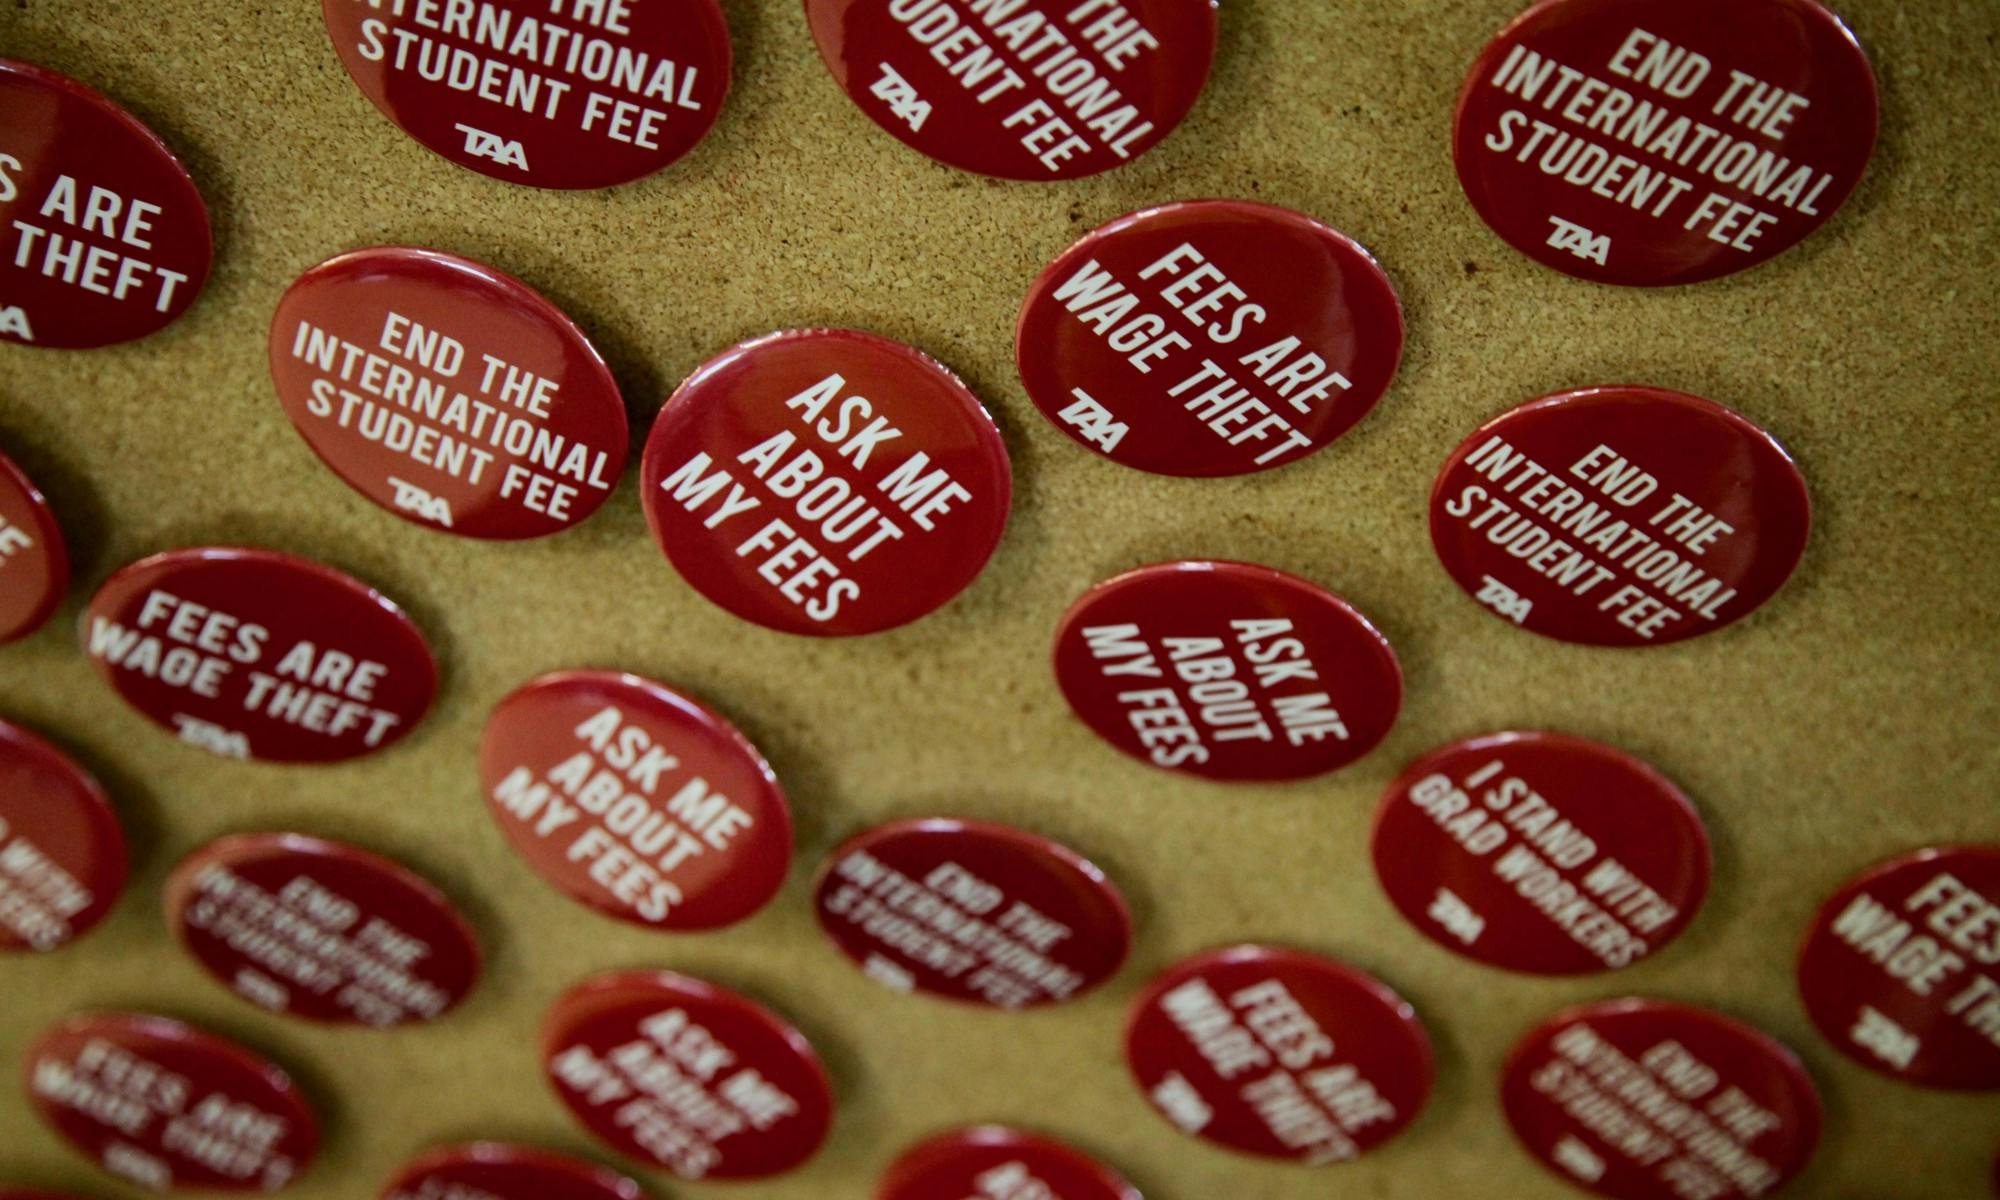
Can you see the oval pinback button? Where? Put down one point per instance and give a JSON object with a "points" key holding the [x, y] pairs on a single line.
{"points": [[34, 563], [1901, 969], [1212, 337], [826, 482], [165, 1106], [105, 237], [550, 93], [990, 1161], [1541, 852], [636, 800], [449, 393], [318, 930], [63, 860], [904, 901], [1227, 671], [1620, 516], [1652, 142], [257, 654], [1046, 89], [1650, 1100], [496, 1171], [687, 1076]]}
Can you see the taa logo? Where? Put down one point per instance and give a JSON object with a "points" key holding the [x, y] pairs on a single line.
{"points": [[411, 498], [1504, 600], [901, 96], [481, 144], [1580, 241], [1092, 421], [212, 737], [14, 322], [1456, 917]]}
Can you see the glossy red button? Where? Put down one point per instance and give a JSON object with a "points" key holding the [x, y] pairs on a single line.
{"points": [[973, 912], [34, 565], [1620, 516], [323, 931], [1214, 337], [163, 1105], [1541, 852], [103, 237], [495, 1171], [449, 393], [1651, 1100], [549, 93], [992, 1163], [1901, 971], [826, 482], [1656, 142], [1279, 1054], [1227, 671], [1046, 89], [636, 800], [680, 1073], [63, 861], [257, 654]]}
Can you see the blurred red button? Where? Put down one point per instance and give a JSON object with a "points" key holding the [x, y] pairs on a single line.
{"points": [[63, 861], [495, 1171], [992, 1163], [34, 565]]}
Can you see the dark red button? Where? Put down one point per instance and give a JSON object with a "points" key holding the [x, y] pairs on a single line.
{"points": [[323, 931], [1620, 516], [1041, 89], [636, 800], [1650, 1100], [973, 912], [550, 93], [1541, 852], [1901, 971], [257, 654], [1227, 671], [495, 1171], [1655, 142], [992, 1163], [163, 1105], [682, 1074], [34, 564], [63, 861], [449, 393], [1279, 1054], [826, 482], [1214, 337], [103, 237]]}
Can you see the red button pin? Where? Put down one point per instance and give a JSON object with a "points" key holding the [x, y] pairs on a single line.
{"points": [[34, 564], [973, 912], [993, 1163], [636, 800], [1620, 516], [1541, 852], [684, 1075], [103, 237], [1227, 671], [1650, 1100], [257, 654], [549, 93], [1901, 970], [63, 861], [1049, 89], [165, 1106], [826, 482], [496, 1171], [449, 393], [318, 930], [1214, 337]]}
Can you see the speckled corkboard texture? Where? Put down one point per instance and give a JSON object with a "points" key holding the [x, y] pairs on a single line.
{"points": [[1852, 718]]}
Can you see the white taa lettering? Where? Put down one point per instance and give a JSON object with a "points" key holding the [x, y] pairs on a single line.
{"points": [[1580, 241], [481, 144]]}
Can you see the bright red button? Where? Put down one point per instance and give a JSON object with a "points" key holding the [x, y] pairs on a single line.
{"points": [[1901, 971], [973, 912], [103, 237], [495, 1171], [826, 482], [319, 930], [257, 654], [1620, 516], [449, 393], [34, 565], [1651, 1100], [1656, 142], [63, 861], [549, 93], [163, 1105], [1214, 337], [636, 800], [1279, 1054], [685, 1075], [1046, 89], [1541, 852], [1227, 671], [992, 1163]]}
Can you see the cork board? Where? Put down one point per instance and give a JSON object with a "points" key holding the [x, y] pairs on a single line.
{"points": [[1849, 720]]}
